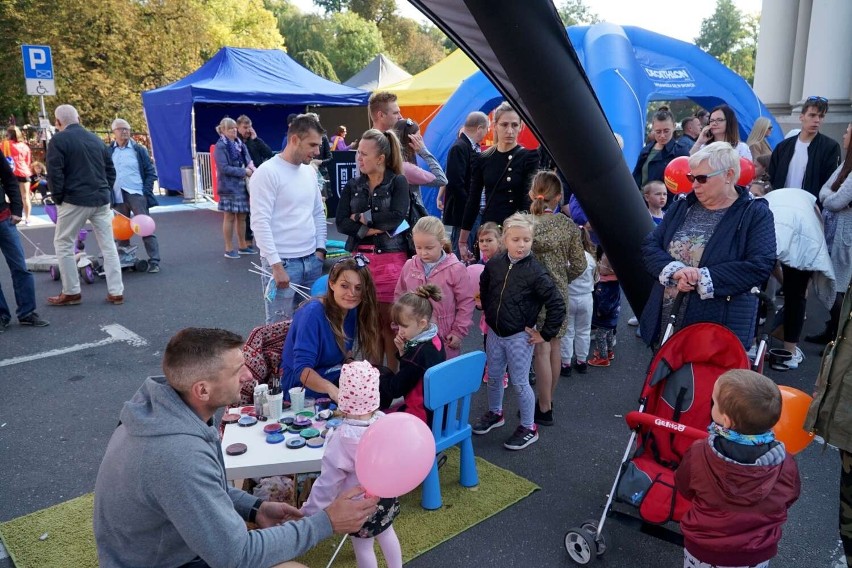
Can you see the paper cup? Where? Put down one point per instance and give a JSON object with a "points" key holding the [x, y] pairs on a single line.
{"points": [[297, 399], [275, 401]]}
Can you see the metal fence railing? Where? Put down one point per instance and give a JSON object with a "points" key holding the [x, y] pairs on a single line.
{"points": [[203, 175]]}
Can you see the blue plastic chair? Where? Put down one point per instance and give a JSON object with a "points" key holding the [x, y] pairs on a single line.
{"points": [[447, 390]]}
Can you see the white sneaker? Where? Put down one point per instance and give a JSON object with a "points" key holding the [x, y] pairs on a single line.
{"points": [[793, 363], [633, 321]]}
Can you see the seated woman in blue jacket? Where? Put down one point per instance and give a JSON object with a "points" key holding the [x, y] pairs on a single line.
{"points": [[714, 244], [323, 330]]}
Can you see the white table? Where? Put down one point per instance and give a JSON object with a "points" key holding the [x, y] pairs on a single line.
{"points": [[262, 459]]}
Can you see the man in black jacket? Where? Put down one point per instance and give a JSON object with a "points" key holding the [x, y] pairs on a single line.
{"points": [[453, 196], [259, 151], [81, 177], [806, 161], [10, 244]]}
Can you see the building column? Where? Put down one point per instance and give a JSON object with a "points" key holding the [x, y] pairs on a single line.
{"points": [[773, 65], [828, 67], [800, 42]]}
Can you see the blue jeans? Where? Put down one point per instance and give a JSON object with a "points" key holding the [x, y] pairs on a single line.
{"points": [[22, 279], [303, 271], [471, 240]]}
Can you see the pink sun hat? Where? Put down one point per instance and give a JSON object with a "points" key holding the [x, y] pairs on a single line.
{"points": [[359, 388]]}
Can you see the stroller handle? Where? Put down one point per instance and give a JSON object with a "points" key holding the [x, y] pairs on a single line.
{"points": [[635, 419]]}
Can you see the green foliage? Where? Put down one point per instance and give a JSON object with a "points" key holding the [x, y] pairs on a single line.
{"points": [[731, 38], [412, 46], [373, 10], [106, 53], [575, 12], [317, 63], [352, 43]]}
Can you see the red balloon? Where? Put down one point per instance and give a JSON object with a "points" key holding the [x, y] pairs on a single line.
{"points": [[746, 172], [675, 175], [790, 427]]}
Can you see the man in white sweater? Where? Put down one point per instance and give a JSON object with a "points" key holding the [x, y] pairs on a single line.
{"points": [[288, 219]]}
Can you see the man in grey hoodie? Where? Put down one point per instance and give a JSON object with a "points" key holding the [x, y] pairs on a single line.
{"points": [[161, 496]]}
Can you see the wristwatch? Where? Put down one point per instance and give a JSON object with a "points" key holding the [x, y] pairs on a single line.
{"points": [[252, 516]]}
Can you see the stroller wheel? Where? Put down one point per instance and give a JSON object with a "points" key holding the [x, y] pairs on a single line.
{"points": [[88, 274], [580, 545], [54, 273], [591, 526], [141, 266]]}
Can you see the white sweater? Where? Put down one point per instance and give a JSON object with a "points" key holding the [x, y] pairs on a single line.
{"points": [[287, 214], [585, 282]]}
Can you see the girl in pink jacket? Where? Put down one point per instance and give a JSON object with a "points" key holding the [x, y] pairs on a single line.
{"points": [[435, 264]]}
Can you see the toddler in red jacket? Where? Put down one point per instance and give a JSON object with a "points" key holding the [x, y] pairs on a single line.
{"points": [[740, 479]]}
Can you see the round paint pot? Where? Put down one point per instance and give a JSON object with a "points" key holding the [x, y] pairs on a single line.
{"points": [[272, 428], [324, 433], [263, 418], [295, 443], [306, 413], [334, 423], [287, 420], [247, 421], [236, 449], [230, 418], [315, 442], [302, 421], [294, 429], [247, 410], [308, 433], [275, 438]]}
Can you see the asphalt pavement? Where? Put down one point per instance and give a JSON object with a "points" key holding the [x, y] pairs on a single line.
{"points": [[58, 410]]}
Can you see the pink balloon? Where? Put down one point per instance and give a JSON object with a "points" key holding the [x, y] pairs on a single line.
{"points": [[474, 271], [143, 225], [395, 455]]}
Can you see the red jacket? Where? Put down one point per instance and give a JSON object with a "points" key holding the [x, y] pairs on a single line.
{"points": [[737, 509]]}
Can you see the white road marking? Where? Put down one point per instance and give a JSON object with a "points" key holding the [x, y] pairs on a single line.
{"points": [[3, 553], [117, 334]]}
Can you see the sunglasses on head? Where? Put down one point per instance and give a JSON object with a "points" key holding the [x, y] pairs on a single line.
{"points": [[409, 122], [816, 99], [361, 261], [702, 178]]}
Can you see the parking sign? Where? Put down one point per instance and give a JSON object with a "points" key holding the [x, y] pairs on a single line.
{"points": [[38, 70]]}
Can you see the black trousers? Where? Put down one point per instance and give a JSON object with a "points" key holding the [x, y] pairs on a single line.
{"points": [[795, 286]]}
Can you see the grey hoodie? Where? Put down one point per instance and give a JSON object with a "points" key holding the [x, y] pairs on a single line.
{"points": [[161, 498]]}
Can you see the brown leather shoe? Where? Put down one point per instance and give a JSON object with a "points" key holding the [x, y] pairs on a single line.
{"points": [[115, 299], [64, 300]]}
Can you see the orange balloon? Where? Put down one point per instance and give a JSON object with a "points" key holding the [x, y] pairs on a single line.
{"points": [[675, 175], [121, 228], [790, 427]]}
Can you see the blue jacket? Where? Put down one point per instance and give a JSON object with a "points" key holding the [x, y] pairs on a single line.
{"points": [[740, 255], [230, 174]]}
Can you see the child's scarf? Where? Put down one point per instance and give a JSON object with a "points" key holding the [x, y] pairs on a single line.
{"points": [[743, 439]]}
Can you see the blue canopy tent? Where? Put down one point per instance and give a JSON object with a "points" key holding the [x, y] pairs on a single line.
{"points": [[265, 84], [628, 67]]}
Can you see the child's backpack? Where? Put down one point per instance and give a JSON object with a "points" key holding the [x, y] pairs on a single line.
{"points": [[262, 352]]}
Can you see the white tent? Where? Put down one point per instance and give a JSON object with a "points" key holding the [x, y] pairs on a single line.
{"points": [[380, 72]]}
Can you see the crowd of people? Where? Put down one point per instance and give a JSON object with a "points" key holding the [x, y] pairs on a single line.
{"points": [[405, 300]]}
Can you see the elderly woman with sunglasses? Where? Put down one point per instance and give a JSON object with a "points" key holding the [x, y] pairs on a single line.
{"points": [[714, 245], [323, 331]]}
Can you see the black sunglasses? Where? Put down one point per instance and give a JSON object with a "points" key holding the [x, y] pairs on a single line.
{"points": [[702, 178]]}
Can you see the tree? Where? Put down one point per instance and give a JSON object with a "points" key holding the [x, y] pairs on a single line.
{"points": [[373, 10], [317, 63], [352, 43], [731, 38], [410, 45], [575, 12]]}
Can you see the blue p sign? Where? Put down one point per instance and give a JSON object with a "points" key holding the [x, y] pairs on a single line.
{"points": [[38, 63]]}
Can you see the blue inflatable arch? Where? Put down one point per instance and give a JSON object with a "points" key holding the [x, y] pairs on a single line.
{"points": [[628, 67]]}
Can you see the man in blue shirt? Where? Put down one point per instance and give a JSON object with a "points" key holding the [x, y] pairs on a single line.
{"points": [[134, 184]]}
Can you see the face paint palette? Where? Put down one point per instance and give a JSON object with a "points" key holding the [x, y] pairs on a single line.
{"points": [[287, 420], [334, 423], [301, 421], [230, 418], [308, 433], [236, 449], [305, 414], [247, 421], [295, 443], [272, 428], [275, 438], [315, 442]]}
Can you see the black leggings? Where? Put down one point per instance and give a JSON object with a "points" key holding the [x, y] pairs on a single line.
{"points": [[795, 286]]}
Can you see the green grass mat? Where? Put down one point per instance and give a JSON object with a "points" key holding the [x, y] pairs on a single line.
{"points": [[70, 541]]}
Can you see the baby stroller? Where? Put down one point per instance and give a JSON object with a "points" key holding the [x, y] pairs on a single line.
{"points": [[674, 411]]}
